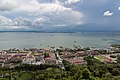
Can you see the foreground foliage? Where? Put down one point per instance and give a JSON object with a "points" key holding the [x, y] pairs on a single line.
{"points": [[94, 70]]}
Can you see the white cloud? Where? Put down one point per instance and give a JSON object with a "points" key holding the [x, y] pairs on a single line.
{"points": [[56, 2], [51, 8], [58, 15], [71, 1], [5, 21], [118, 8], [28, 6], [108, 13], [42, 15], [39, 22], [21, 21], [6, 5]]}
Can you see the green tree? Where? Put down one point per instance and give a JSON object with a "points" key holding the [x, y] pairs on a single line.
{"points": [[86, 74], [116, 72], [77, 75], [118, 58], [46, 55]]}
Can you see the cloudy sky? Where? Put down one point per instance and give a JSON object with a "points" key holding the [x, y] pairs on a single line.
{"points": [[59, 14]]}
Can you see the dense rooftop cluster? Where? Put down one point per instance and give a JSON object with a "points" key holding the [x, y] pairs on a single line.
{"points": [[15, 57]]}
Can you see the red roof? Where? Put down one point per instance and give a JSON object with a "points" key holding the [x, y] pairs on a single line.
{"points": [[19, 55], [49, 58]]}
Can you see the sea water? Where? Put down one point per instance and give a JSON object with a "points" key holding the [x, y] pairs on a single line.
{"points": [[22, 40]]}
